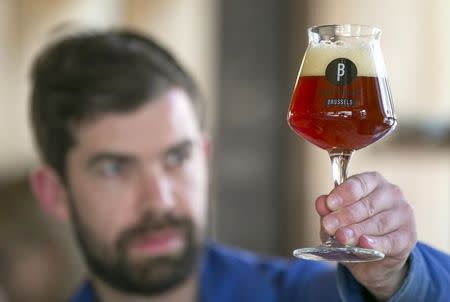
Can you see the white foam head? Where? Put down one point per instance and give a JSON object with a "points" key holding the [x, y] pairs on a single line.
{"points": [[367, 58]]}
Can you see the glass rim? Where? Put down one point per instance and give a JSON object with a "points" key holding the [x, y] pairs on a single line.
{"points": [[369, 30]]}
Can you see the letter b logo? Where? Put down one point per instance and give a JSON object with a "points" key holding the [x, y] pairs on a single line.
{"points": [[341, 71]]}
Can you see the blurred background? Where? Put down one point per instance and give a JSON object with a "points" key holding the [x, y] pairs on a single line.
{"points": [[245, 56]]}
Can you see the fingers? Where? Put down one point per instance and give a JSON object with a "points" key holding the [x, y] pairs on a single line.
{"points": [[396, 244], [383, 223], [370, 212], [353, 189], [321, 205], [368, 206], [323, 233]]}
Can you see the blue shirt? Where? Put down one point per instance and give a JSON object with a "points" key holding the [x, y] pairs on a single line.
{"points": [[238, 276]]}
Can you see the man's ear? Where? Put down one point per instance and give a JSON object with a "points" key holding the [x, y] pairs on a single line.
{"points": [[206, 144], [50, 192]]}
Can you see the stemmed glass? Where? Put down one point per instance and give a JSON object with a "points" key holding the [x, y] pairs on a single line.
{"points": [[341, 103]]}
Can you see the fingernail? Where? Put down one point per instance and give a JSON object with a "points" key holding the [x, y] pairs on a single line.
{"points": [[334, 202], [349, 235], [370, 240], [330, 223]]}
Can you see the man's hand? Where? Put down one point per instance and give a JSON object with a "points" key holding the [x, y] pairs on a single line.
{"points": [[368, 211]]}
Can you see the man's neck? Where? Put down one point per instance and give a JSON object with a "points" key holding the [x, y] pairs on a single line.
{"points": [[187, 291]]}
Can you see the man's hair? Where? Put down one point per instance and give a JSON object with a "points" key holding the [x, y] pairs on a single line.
{"points": [[81, 77]]}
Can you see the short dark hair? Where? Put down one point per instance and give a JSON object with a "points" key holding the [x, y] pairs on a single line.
{"points": [[81, 76]]}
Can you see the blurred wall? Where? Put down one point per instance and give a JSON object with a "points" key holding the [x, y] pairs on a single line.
{"points": [[28, 25], [251, 125], [38, 260]]}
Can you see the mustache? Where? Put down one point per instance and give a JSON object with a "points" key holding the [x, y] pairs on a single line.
{"points": [[152, 223]]}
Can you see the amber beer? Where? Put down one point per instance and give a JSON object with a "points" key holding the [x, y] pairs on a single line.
{"points": [[346, 115]]}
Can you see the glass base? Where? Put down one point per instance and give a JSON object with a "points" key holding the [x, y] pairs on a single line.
{"points": [[340, 254]]}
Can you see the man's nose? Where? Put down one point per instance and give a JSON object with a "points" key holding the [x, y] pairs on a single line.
{"points": [[156, 188]]}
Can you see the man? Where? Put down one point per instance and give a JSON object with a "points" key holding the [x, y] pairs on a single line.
{"points": [[118, 124]]}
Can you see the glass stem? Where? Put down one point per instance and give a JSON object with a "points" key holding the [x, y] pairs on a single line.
{"points": [[339, 163]]}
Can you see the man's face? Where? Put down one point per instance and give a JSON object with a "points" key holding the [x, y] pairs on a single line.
{"points": [[137, 184]]}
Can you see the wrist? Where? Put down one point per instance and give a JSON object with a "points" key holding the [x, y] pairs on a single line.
{"points": [[390, 284]]}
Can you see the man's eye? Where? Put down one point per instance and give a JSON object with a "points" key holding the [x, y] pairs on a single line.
{"points": [[177, 157], [111, 169]]}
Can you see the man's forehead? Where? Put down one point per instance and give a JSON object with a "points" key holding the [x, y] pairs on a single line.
{"points": [[160, 122]]}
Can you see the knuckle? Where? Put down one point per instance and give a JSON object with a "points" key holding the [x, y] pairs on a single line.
{"points": [[374, 174], [407, 211], [409, 239], [369, 206], [356, 185], [387, 243], [323, 234], [358, 230], [371, 176], [350, 215], [363, 184], [381, 223], [354, 181], [396, 191], [317, 203], [407, 242], [410, 220], [406, 208], [412, 238], [378, 176]]}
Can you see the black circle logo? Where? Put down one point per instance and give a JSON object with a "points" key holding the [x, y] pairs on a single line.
{"points": [[341, 71]]}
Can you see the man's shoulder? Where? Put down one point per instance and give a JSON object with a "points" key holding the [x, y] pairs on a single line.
{"points": [[433, 253], [235, 273], [275, 269], [436, 263], [84, 294], [218, 255]]}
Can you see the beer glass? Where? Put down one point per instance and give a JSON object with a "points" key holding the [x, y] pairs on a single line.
{"points": [[341, 103]]}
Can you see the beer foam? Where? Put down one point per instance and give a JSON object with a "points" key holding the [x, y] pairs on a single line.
{"points": [[367, 58]]}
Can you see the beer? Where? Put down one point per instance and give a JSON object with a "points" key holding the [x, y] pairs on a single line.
{"points": [[348, 115]]}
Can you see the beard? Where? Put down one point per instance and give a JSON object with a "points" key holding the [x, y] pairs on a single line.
{"points": [[147, 276]]}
